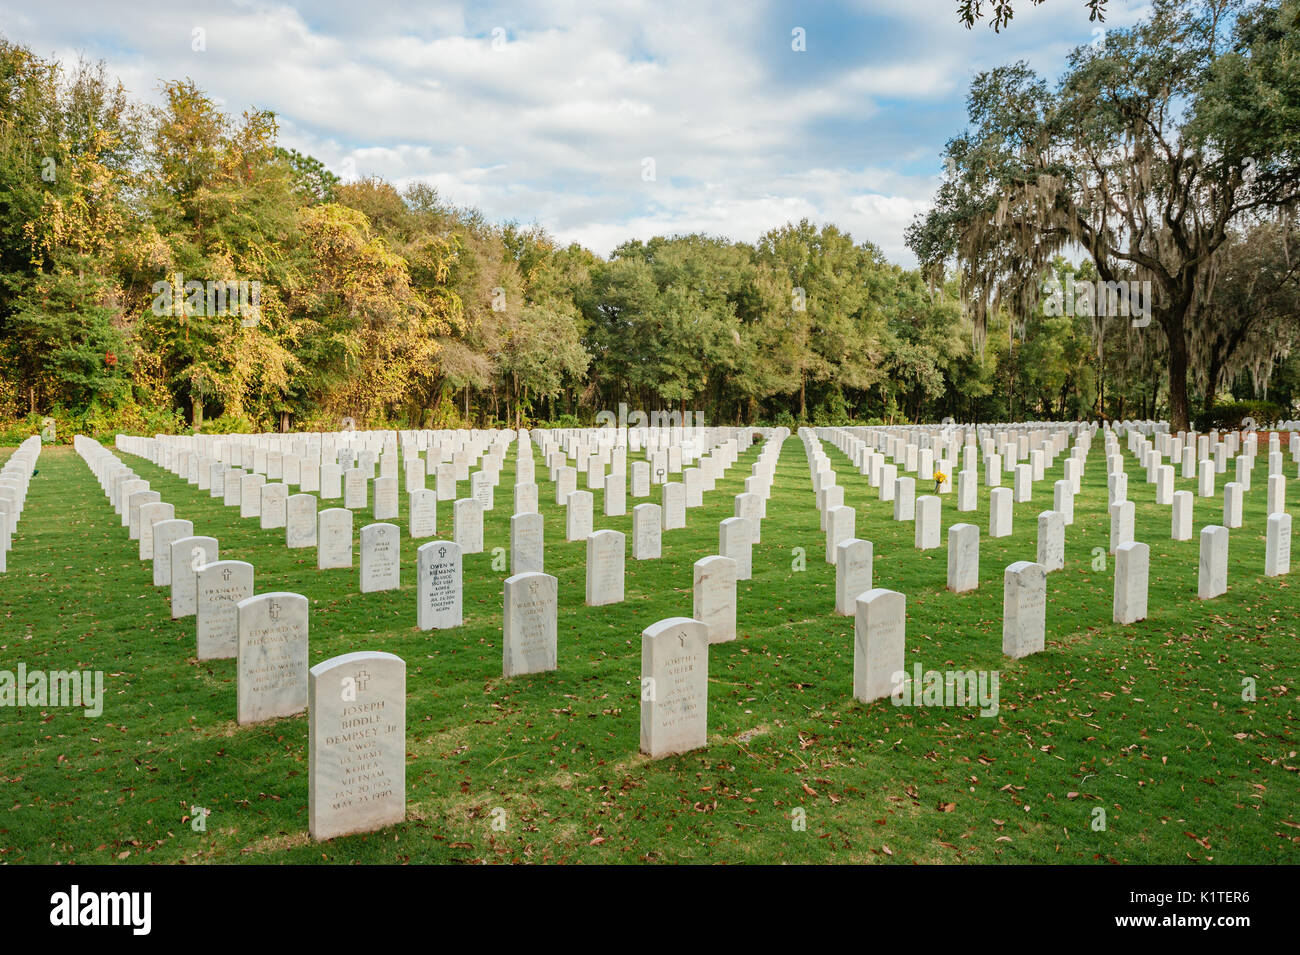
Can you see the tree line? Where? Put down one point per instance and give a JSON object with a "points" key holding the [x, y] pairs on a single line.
{"points": [[173, 267]]}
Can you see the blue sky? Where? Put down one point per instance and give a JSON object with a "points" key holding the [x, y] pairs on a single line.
{"points": [[548, 112]]}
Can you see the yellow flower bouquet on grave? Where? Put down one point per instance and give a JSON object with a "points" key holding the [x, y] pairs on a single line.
{"points": [[939, 480]]}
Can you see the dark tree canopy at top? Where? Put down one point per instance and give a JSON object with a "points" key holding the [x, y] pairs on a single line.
{"points": [[968, 11]]}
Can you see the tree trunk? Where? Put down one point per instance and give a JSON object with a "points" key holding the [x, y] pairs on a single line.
{"points": [[1179, 412], [197, 417], [1101, 391], [1207, 405], [1011, 375]]}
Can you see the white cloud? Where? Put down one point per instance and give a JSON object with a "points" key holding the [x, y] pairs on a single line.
{"points": [[553, 126]]}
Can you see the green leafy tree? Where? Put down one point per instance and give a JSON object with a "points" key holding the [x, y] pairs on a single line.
{"points": [[1133, 157]]}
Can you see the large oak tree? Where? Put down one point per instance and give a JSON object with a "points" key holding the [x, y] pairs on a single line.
{"points": [[1145, 154]]}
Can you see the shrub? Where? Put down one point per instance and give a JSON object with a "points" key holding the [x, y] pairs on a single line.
{"points": [[15, 432], [563, 421], [131, 418], [96, 421], [1230, 415], [785, 420], [230, 424]]}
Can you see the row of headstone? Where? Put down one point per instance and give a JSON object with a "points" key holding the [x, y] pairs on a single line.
{"points": [[649, 521], [270, 501], [712, 453], [15, 479], [529, 645], [925, 509], [529, 612], [271, 646], [880, 620], [1150, 452], [880, 613], [330, 530], [1212, 582], [274, 508], [356, 702], [438, 593], [297, 458]]}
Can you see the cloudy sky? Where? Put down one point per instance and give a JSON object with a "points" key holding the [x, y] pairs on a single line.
{"points": [[600, 121]]}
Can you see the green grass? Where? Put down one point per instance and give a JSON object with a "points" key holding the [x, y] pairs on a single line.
{"points": [[1145, 721]]}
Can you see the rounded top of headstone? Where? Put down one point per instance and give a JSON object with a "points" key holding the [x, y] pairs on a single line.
{"points": [[691, 626], [441, 548], [274, 597], [225, 568], [715, 560], [535, 575], [358, 656]]}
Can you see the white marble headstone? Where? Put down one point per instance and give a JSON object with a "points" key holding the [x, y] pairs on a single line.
{"points": [[527, 543], [166, 533], [423, 516], [926, 515], [467, 525], [529, 627], [715, 597], [356, 751], [188, 554], [440, 586], [334, 538], [578, 516], [963, 558], [605, 550], [1051, 540], [674, 687], [1024, 609], [1277, 545], [1132, 568], [381, 557], [879, 644], [647, 533], [1212, 575], [853, 564], [300, 521], [219, 588], [274, 507], [272, 651], [734, 541]]}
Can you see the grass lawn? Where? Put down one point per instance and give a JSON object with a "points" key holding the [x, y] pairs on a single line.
{"points": [[1147, 722]]}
